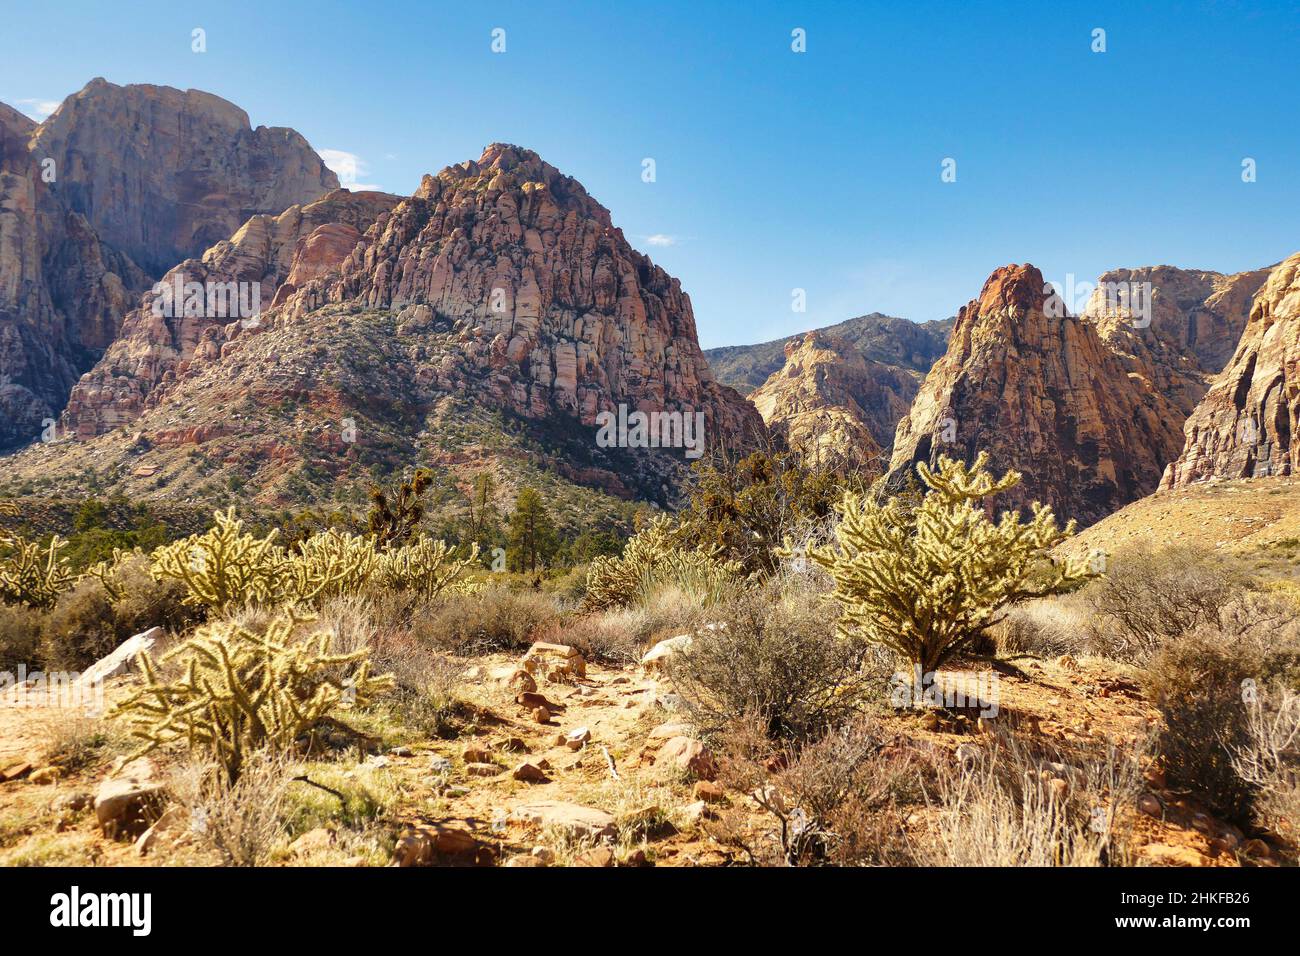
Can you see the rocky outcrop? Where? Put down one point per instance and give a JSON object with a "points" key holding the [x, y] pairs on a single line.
{"points": [[246, 273], [835, 405], [1244, 426], [1040, 391], [1185, 328], [554, 312], [162, 174], [117, 185]]}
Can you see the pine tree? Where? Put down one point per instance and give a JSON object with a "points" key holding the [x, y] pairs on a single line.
{"points": [[531, 538], [927, 579]]}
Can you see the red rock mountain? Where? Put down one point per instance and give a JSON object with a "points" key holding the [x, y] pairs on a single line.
{"points": [[273, 254], [482, 324], [1244, 426], [1040, 391], [555, 311], [114, 188], [832, 402]]}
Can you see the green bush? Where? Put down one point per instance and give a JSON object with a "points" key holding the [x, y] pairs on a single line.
{"points": [[20, 635]]}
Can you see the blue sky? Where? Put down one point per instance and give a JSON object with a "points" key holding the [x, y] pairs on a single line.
{"points": [[775, 170]]}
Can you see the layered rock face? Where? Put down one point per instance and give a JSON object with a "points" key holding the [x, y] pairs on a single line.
{"points": [[96, 202], [1187, 328], [554, 312], [832, 403], [264, 260], [1041, 392], [162, 174], [1244, 426]]}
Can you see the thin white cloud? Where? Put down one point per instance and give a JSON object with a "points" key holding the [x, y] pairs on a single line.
{"points": [[661, 240], [38, 109], [349, 167]]}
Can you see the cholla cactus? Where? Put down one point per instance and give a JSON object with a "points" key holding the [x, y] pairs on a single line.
{"points": [[105, 572], [926, 581], [425, 566], [31, 574], [328, 564], [241, 691], [223, 567], [652, 559]]}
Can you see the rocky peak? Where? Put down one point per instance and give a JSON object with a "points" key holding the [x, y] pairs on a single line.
{"points": [[833, 403], [555, 311], [1244, 426], [1039, 390]]}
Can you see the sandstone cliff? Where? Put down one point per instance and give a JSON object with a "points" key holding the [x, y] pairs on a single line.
{"points": [[1191, 329], [1244, 426], [113, 188], [831, 402], [1042, 393]]}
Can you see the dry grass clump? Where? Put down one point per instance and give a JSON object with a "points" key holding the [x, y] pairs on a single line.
{"points": [[1048, 627], [1269, 760], [491, 619], [1020, 804], [238, 823]]}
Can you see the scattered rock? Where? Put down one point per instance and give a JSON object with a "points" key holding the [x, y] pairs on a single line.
{"points": [[656, 659], [530, 773], [475, 754], [482, 769], [695, 813], [514, 745], [129, 802], [545, 854], [420, 845], [524, 859], [313, 841], [542, 715], [930, 721], [690, 755], [522, 682], [45, 775], [122, 659], [577, 738], [600, 856], [709, 792], [16, 771], [174, 823], [72, 802], [1151, 805], [576, 821]]}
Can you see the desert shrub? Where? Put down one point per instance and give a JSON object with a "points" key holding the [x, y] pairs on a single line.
{"points": [[243, 690], [488, 620], [1149, 597], [1047, 628], [1018, 803], [928, 580], [98, 614], [776, 658], [655, 558], [1201, 684], [744, 509], [241, 822], [1269, 761], [837, 800], [623, 634], [20, 635], [32, 574]]}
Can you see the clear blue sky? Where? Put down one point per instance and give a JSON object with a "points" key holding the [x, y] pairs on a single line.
{"points": [[775, 170]]}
